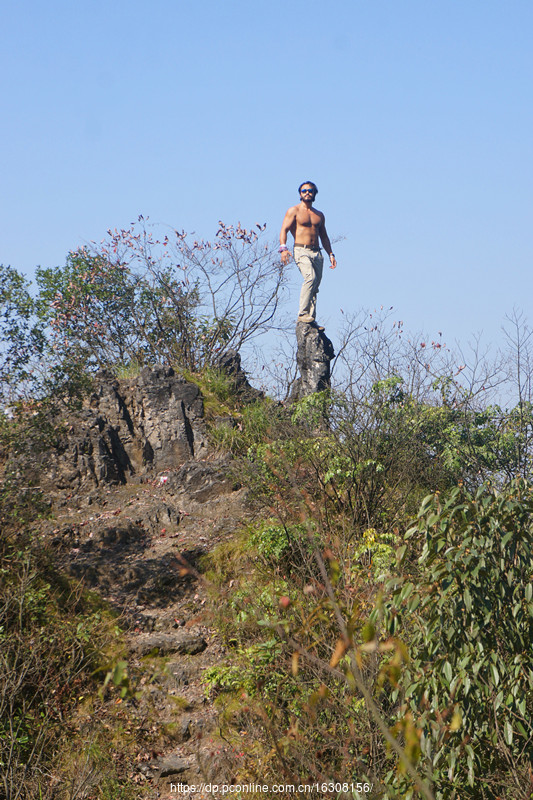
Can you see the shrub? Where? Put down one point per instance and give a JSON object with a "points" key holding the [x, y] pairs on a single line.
{"points": [[52, 642], [137, 298], [21, 334], [467, 613]]}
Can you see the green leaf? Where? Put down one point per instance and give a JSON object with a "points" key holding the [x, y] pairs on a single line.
{"points": [[406, 591], [507, 538], [400, 552], [508, 732], [413, 604], [369, 632]]}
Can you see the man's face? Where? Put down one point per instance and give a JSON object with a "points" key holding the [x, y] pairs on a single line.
{"points": [[307, 192]]}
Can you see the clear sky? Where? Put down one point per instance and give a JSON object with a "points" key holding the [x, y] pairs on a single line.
{"points": [[414, 117]]}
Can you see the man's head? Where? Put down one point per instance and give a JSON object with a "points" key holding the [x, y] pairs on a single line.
{"points": [[308, 190]]}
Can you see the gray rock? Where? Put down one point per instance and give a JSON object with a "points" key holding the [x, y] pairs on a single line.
{"points": [[314, 355], [171, 765], [166, 643], [129, 429], [203, 481], [230, 363]]}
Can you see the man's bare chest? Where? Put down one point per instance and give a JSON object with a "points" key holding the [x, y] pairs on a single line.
{"points": [[307, 219]]}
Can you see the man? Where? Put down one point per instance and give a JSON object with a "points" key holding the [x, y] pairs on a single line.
{"points": [[308, 226]]}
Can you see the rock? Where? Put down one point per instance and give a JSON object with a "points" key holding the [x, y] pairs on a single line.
{"points": [[179, 731], [314, 355], [170, 765], [121, 536], [230, 363], [166, 643], [202, 481], [168, 409], [129, 429]]}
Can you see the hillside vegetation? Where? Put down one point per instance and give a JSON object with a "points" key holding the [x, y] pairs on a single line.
{"points": [[376, 608]]}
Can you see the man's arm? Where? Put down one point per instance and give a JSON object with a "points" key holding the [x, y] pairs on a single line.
{"points": [[288, 224], [324, 238]]}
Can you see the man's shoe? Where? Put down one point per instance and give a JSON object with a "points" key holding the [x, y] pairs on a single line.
{"points": [[318, 327], [307, 318]]}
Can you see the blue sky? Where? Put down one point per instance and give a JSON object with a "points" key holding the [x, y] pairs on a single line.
{"points": [[414, 117]]}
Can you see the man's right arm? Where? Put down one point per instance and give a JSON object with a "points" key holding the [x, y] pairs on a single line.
{"points": [[288, 224]]}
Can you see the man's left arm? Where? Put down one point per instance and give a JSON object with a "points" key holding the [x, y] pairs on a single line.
{"points": [[324, 238]]}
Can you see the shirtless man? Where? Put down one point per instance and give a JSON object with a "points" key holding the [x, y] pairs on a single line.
{"points": [[307, 225]]}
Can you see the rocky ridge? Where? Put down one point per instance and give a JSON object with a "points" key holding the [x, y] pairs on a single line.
{"points": [[138, 500]]}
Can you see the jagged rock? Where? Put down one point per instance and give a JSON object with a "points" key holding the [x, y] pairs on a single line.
{"points": [[230, 363], [202, 481], [128, 429], [314, 355]]}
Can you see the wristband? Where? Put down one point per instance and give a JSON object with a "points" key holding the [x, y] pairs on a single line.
{"points": [[282, 248], [332, 255]]}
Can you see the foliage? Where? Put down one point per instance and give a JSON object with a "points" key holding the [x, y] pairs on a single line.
{"points": [[254, 426], [140, 299], [61, 652], [467, 612], [376, 551], [258, 671], [53, 639], [101, 313], [347, 473], [274, 541], [21, 335]]}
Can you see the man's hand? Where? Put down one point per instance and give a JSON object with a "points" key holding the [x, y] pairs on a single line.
{"points": [[286, 257], [333, 261]]}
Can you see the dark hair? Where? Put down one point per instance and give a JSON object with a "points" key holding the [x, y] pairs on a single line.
{"points": [[310, 184]]}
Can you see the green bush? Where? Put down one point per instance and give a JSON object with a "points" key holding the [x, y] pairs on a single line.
{"points": [[55, 644], [22, 336], [467, 614]]}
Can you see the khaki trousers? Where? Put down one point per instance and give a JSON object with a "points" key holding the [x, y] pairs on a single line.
{"points": [[310, 263]]}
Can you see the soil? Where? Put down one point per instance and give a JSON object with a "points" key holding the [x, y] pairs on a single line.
{"points": [[141, 548]]}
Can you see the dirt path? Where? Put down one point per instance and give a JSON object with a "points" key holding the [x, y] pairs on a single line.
{"points": [[140, 547]]}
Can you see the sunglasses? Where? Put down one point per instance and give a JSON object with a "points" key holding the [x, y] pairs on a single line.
{"points": [[307, 191]]}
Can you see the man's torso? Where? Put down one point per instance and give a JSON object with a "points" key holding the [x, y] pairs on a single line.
{"points": [[306, 226]]}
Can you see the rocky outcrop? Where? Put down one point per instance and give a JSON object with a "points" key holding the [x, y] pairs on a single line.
{"points": [[138, 503], [314, 355], [230, 363], [128, 429]]}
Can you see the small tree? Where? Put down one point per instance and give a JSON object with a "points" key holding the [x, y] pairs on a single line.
{"points": [[22, 337], [466, 609], [139, 298]]}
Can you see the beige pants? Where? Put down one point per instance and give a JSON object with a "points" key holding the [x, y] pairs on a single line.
{"points": [[310, 264]]}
